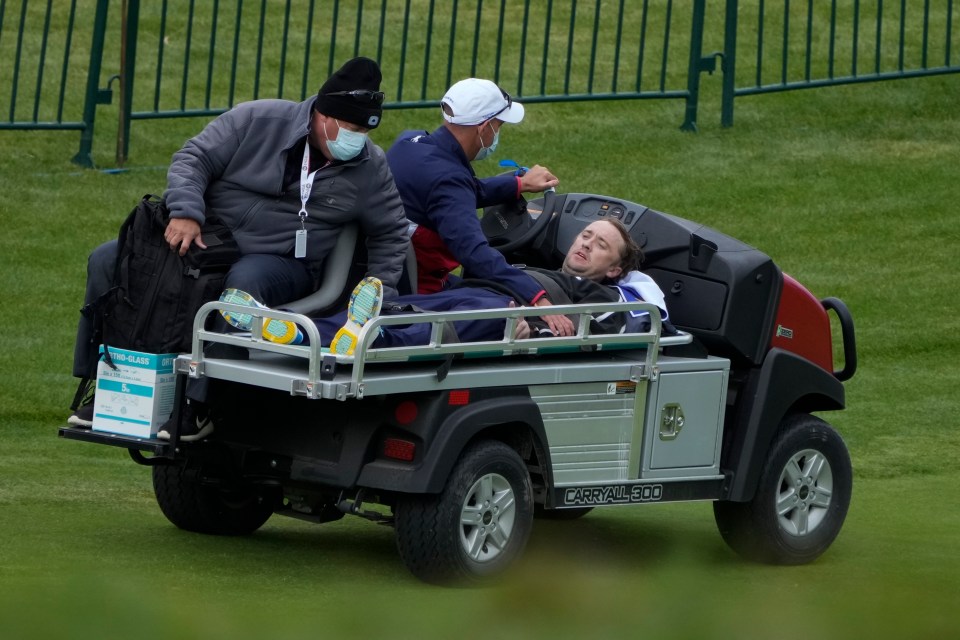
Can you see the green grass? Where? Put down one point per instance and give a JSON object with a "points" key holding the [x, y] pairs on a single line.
{"points": [[852, 190]]}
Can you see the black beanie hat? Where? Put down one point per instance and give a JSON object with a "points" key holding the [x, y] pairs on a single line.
{"points": [[364, 108]]}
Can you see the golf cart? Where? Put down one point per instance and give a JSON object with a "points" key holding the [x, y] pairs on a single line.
{"points": [[460, 446]]}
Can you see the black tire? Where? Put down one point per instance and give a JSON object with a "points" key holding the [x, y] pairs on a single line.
{"points": [[489, 482], [573, 513], [194, 506], [801, 500]]}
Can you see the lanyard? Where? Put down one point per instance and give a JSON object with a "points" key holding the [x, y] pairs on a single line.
{"points": [[306, 182], [306, 186]]}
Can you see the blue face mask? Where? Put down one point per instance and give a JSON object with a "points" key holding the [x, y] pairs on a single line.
{"points": [[486, 152], [347, 145]]}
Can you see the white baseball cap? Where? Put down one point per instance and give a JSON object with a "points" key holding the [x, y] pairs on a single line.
{"points": [[474, 100]]}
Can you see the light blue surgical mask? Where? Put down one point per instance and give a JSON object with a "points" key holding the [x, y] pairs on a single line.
{"points": [[347, 145], [486, 152]]}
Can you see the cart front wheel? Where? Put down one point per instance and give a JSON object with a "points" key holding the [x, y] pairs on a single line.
{"points": [[801, 500]]}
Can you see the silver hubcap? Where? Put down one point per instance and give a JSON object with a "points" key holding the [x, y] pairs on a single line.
{"points": [[806, 487], [487, 518]]}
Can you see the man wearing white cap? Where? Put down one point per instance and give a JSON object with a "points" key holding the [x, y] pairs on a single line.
{"points": [[441, 193]]}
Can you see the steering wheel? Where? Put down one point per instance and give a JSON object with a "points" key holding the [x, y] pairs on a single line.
{"points": [[549, 204]]}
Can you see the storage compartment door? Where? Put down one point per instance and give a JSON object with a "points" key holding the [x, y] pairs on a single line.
{"points": [[687, 420]]}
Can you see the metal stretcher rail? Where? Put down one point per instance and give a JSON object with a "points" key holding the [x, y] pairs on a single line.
{"points": [[321, 363]]}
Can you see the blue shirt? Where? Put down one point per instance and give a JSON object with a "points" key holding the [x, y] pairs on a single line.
{"points": [[441, 193]]}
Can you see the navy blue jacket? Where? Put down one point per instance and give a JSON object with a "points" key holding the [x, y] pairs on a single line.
{"points": [[441, 194]]}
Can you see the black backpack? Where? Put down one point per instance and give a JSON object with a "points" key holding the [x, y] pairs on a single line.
{"points": [[156, 292]]}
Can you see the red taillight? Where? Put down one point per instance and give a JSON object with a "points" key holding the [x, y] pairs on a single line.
{"points": [[406, 412], [459, 397], [399, 449]]}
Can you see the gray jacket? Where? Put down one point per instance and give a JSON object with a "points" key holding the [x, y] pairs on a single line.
{"points": [[234, 170]]}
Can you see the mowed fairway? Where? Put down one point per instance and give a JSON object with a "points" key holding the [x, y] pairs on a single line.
{"points": [[851, 190]]}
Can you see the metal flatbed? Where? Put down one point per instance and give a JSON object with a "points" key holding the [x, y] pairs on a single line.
{"points": [[313, 371]]}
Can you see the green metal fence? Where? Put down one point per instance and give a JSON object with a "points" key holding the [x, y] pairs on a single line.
{"points": [[187, 58], [783, 45], [177, 58], [50, 59], [193, 60]]}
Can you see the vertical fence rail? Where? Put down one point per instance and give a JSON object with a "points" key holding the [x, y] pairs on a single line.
{"points": [[128, 63], [84, 156], [695, 66]]}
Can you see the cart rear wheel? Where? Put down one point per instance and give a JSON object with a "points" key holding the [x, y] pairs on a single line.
{"points": [[208, 508], [477, 526]]}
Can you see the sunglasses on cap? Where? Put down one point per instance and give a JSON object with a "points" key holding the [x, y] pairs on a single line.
{"points": [[506, 96], [375, 97]]}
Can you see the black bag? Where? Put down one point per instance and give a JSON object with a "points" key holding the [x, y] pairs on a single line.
{"points": [[156, 292]]}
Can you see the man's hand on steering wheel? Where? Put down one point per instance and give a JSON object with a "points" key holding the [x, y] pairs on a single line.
{"points": [[537, 179]]}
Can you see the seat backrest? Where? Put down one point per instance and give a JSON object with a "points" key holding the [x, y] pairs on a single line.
{"points": [[345, 264], [408, 279], [336, 270]]}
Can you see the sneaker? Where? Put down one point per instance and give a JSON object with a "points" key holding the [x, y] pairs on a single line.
{"points": [[83, 416], [194, 424], [365, 303], [279, 331], [83, 404]]}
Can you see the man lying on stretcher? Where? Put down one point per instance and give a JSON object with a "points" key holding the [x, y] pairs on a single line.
{"points": [[601, 266]]}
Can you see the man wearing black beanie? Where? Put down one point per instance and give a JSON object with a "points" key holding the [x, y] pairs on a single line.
{"points": [[285, 177], [353, 94]]}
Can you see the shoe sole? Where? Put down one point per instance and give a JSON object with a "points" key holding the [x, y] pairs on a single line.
{"points": [[365, 303], [75, 421], [242, 321], [278, 331], [344, 343], [84, 421]]}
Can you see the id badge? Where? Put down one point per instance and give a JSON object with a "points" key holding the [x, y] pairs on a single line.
{"points": [[300, 247]]}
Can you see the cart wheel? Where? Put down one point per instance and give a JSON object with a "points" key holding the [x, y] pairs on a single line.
{"points": [[801, 500], [477, 526], [194, 506]]}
